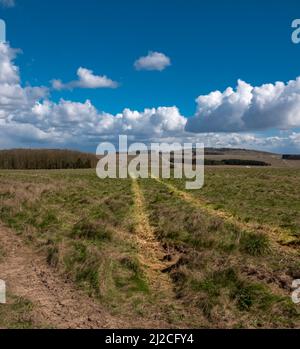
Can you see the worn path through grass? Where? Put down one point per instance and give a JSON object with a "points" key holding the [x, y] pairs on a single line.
{"points": [[278, 235], [151, 255], [158, 262], [56, 303]]}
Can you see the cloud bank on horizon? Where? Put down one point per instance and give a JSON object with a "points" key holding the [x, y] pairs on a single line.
{"points": [[29, 118]]}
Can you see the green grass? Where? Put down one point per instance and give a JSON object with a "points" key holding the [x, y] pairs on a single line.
{"points": [[225, 277], [84, 226], [85, 229], [16, 313], [263, 195], [255, 244], [213, 274]]}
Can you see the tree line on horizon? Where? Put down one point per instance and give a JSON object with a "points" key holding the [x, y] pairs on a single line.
{"points": [[235, 162], [52, 159], [48, 159]]}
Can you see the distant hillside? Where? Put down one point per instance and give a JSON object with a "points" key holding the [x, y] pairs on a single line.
{"points": [[214, 155], [36, 159], [216, 151]]}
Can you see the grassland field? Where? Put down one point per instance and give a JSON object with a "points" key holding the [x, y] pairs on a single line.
{"points": [[148, 250]]}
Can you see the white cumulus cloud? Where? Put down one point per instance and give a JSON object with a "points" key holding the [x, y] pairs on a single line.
{"points": [[153, 61], [29, 118], [248, 108], [86, 79], [15, 100]]}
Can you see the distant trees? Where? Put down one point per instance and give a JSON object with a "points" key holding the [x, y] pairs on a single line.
{"points": [[290, 157], [219, 162], [237, 162], [35, 159], [50, 159]]}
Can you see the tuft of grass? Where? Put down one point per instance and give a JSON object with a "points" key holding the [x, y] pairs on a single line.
{"points": [[82, 263], [248, 295], [16, 313], [85, 229], [214, 282], [49, 219], [137, 275], [53, 255], [255, 244]]}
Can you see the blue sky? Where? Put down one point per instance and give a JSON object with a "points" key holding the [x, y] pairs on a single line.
{"points": [[210, 44]]}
